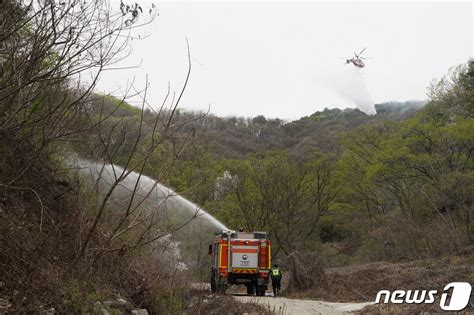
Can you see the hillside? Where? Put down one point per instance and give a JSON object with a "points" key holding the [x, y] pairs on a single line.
{"points": [[87, 220], [360, 168], [236, 137]]}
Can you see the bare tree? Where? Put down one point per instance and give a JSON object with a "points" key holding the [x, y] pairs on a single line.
{"points": [[51, 56]]}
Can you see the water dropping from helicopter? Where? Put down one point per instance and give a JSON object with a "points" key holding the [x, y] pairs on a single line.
{"points": [[350, 84]]}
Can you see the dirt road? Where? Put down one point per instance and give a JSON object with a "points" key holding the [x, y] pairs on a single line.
{"points": [[286, 306]]}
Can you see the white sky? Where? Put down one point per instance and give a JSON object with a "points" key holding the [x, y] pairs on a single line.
{"points": [[283, 59]]}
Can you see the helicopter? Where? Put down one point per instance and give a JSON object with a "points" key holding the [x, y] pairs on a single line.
{"points": [[357, 60]]}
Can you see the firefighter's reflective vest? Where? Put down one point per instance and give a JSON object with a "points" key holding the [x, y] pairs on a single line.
{"points": [[276, 273]]}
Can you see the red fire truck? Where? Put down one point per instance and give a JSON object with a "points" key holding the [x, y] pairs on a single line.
{"points": [[241, 258]]}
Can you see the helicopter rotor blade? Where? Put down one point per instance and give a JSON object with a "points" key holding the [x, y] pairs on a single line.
{"points": [[362, 51]]}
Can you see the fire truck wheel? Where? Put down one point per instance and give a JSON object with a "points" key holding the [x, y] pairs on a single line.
{"points": [[213, 285], [250, 289], [213, 282], [261, 290], [221, 288]]}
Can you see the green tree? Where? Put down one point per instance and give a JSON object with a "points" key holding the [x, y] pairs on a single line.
{"points": [[270, 192]]}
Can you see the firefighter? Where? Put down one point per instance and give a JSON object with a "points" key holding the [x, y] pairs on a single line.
{"points": [[276, 279]]}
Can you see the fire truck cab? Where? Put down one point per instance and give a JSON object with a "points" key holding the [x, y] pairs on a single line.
{"points": [[242, 258]]}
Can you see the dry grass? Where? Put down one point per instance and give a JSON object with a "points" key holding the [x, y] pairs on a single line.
{"points": [[39, 223], [361, 283], [407, 309]]}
